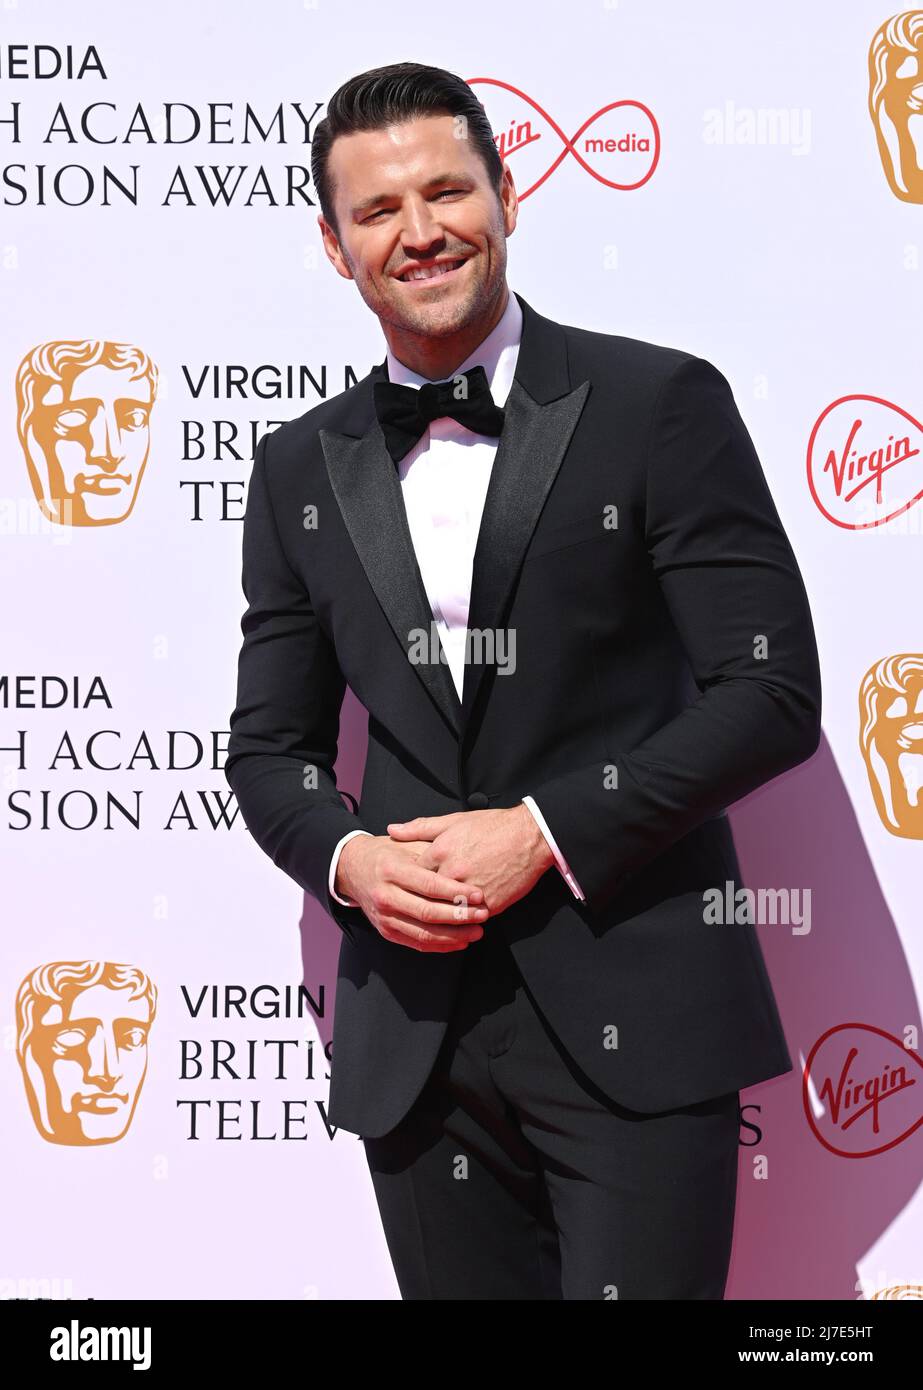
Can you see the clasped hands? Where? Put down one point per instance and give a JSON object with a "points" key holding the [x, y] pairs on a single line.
{"points": [[432, 882]]}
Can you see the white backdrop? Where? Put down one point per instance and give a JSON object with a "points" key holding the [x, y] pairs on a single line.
{"points": [[781, 254]]}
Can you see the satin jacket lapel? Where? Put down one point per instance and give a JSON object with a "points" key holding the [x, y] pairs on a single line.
{"points": [[533, 443], [542, 411], [367, 487]]}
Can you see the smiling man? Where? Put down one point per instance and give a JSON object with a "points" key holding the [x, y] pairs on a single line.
{"points": [[538, 1037]]}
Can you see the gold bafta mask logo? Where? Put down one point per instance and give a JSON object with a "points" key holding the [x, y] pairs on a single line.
{"points": [[81, 1039], [891, 738], [896, 102], [83, 415]]}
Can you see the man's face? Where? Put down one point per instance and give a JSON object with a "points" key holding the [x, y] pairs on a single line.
{"points": [[88, 1057], [898, 743], [416, 193], [898, 120], [94, 437]]}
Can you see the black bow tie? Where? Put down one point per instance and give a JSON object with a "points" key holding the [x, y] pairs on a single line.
{"points": [[405, 411]]}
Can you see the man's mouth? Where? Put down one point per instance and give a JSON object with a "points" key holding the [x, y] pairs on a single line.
{"points": [[437, 271], [101, 1102], [103, 483]]}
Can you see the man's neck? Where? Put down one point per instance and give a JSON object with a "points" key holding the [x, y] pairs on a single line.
{"points": [[437, 358]]}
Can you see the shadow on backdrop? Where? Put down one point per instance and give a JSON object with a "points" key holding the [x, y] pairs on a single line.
{"points": [[801, 1229], [801, 1233]]}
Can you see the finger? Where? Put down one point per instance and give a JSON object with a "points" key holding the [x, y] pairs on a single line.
{"points": [[430, 912], [438, 885], [409, 831], [405, 931], [421, 828], [429, 883]]}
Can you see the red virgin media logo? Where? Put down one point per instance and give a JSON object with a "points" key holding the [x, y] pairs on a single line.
{"points": [[864, 462], [861, 1090], [618, 145]]}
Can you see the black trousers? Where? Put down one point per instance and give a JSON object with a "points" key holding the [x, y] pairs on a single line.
{"points": [[514, 1177]]}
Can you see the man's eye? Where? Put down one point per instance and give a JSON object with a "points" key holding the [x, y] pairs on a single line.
{"points": [[444, 193]]}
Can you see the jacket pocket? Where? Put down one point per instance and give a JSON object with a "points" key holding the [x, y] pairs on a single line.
{"points": [[548, 539]]}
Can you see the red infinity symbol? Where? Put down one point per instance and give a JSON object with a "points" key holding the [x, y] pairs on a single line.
{"points": [[570, 144]]}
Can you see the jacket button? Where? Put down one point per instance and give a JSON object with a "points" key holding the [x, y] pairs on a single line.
{"points": [[477, 801]]}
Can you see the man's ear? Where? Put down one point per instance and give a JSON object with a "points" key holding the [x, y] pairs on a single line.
{"points": [[509, 199], [333, 249]]}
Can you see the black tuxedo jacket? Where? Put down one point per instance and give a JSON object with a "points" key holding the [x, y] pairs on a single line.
{"points": [[665, 667]]}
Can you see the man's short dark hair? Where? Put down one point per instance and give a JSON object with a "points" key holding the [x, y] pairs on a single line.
{"points": [[386, 96]]}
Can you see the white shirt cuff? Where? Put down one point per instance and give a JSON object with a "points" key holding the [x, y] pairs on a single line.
{"points": [[335, 859], [558, 856]]}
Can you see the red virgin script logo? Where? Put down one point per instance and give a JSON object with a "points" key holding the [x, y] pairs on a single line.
{"points": [[619, 145], [860, 1090], [864, 462]]}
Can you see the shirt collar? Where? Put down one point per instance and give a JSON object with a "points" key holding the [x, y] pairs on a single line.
{"points": [[497, 354]]}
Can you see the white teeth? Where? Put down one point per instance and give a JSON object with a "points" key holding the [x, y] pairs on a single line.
{"points": [[432, 272]]}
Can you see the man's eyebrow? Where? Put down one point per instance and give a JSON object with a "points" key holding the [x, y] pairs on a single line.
{"points": [[97, 400], [449, 177]]}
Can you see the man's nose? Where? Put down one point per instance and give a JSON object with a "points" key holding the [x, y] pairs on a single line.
{"points": [[104, 434], [421, 228], [102, 1054]]}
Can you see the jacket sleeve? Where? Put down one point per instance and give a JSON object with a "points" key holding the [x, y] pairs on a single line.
{"points": [[285, 724], [735, 594]]}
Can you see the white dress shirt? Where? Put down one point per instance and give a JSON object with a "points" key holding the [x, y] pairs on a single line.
{"points": [[444, 480]]}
